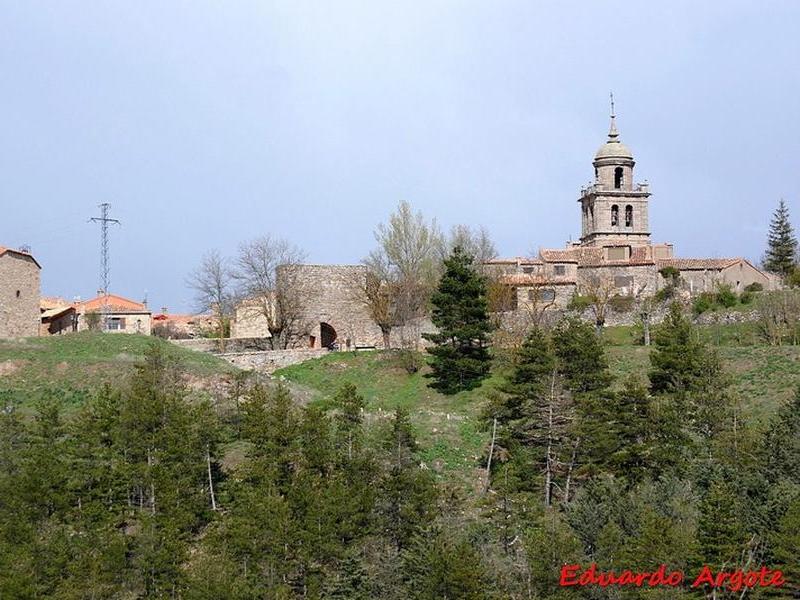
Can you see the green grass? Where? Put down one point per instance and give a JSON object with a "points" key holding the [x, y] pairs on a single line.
{"points": [[448, 427], [82, 361], [453, 438]]}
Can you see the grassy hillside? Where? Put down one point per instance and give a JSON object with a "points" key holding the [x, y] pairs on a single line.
{"points": [[85, 360], [449, 427]]}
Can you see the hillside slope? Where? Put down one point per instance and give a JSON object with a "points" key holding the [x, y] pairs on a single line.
{"points": [[85, 360]]}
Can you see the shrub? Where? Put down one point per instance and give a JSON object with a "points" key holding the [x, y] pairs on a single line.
{"points": [[754, 287], [408, 360], [793, 278], [621, 304], [579, 303], [746, 297], [665, 293], [725, 296], [670, 273], [702, 303]]}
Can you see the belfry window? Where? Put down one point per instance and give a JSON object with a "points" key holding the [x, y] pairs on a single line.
{"points": [[614, 215], [629, 216], [617, 178]]}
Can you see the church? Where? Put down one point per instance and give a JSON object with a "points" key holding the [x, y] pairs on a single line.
{"points": [[615, 255]]}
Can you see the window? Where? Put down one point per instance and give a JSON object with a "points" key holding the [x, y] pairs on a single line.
{"points": [[614, 215], [527, 270], [618, 178], [629, 216], [560, 270], [18, 293], [116, 323], [546, 295]]}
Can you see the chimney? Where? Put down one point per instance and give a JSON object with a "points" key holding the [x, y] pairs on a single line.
{"points": [[163, 310]]}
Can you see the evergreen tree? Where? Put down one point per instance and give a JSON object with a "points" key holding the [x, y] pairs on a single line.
{"points": [[460, 354], [690, 373], [721, 533], [349, 418], [781, 455], [407, 493], [785, 542], [444, 566], [534, 415], [781, 243], [581, 357]]}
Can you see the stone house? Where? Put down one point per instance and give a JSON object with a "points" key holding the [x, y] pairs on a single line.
{"points": [[20, 285], [181, 326], [124, 315], [58, 316]]}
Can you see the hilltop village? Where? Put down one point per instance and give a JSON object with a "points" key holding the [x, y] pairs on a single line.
{"points": [[615, 255]]}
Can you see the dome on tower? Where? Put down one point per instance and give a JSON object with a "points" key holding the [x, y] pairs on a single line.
{"points": [[613, 148]]}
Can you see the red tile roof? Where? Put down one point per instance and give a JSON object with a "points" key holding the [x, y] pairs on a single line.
{"points": [[524, 279], [116, 303], [698, 264]]}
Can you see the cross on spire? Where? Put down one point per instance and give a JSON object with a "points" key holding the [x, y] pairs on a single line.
{"points": [[613, 134]]}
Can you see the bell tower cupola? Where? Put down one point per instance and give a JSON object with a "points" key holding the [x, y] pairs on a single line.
{"points": [[613, 207]]}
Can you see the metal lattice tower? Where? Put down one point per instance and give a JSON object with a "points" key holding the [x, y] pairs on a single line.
{"points": [[105, 270]]}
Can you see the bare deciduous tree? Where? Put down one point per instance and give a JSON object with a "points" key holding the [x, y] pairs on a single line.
{"points": [[267, 270], [212, 282], [598, 289], [402, 272], [476, 243]]}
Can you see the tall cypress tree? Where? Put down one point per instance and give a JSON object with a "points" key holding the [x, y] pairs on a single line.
{"points": [[461, 357], [781, 243]]}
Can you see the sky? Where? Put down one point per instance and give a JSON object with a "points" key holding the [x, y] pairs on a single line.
{"points": [[206, 124]]}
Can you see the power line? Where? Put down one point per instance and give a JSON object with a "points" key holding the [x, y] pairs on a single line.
{"points": [[105, 273]]}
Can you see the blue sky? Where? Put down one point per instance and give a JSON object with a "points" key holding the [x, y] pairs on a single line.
{"points": [[206, 124]]}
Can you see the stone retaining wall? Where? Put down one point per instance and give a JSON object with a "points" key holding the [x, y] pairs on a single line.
{"points": [[271, 360], [229, 344]]}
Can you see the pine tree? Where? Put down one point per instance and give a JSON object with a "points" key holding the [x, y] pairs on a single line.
{"points": [[460, 355], [534, 415], [781, 243], [691, 374]]}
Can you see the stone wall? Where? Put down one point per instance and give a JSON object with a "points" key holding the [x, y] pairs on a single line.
{"points": [[254, 344], [330, 295], [19, 296], [271, 360]]}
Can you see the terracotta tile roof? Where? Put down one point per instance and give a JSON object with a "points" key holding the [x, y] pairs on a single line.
{"points": [[183, 319], [56, 312], [116, 303], [4, 250], [698, 264], [522, 260], [523, 279], [48, 302], [567, 255]]}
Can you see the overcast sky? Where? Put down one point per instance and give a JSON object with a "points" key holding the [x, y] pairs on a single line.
{"points": [[205, 124]]}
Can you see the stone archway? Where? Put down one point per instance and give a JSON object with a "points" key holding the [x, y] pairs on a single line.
{"points": [[327, 335]]}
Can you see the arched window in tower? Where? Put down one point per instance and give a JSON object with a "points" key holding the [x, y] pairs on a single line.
{"points": [[629, 216], [617, 178], [614, 215]]}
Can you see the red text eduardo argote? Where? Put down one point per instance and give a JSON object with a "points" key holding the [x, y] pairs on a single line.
{"points": [[574, 575]]}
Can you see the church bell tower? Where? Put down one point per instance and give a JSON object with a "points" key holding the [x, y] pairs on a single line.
{"points": [[613, 208]]}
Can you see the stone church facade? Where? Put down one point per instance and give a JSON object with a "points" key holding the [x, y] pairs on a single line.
{"points": [[615, 251]]}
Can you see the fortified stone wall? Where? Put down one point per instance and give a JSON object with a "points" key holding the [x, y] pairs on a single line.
{"points": [[19, 296], [330, 297]]}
